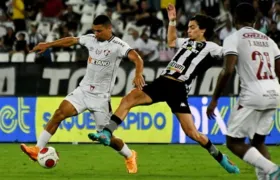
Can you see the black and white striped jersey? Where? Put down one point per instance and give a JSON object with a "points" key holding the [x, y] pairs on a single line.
{"points": [[192, 58]]}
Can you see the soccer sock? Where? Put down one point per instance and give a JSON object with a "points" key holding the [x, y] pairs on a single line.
{"points": [[255, 158], [216, 153], [260, 174], [113, 124], [43, 139], [125, 151]]}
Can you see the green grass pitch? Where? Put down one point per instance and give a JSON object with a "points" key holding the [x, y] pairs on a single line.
{"points": [[96, 162]]}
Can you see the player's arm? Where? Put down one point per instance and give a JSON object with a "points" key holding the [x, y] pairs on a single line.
{"points": [[64, 42], [171, 33], [225, 75], [133, 56], [277, 67]]}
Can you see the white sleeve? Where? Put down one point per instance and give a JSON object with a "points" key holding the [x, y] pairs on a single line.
{"points": [[124, 49], [276, 51], [85, 38], [217, 51], [180, 42], [230, 45]]}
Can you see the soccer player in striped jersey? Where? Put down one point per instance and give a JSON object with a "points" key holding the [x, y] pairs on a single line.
{"points": [[257, 61], [195, 56]]}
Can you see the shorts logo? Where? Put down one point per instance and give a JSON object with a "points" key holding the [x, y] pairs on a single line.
{"points": [[183, 104]]}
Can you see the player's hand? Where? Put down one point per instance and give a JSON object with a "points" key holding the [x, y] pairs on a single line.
{"points": [[139, 81], [41, 47], [171, 10], [211, 108]]}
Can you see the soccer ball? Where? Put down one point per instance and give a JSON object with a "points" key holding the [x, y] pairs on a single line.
{"points": [[48, 157]]}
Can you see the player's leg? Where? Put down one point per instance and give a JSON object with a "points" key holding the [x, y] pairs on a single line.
{"points": [[71, 106], [190, 130], [101, 119], [244, 123], [258, 142], [134, 98]]}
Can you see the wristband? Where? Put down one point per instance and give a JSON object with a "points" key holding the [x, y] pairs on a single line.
{"points": [[172, 23]]}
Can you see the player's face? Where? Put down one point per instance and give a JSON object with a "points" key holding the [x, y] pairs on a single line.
{"points": [[102, 32], [194, 32]]}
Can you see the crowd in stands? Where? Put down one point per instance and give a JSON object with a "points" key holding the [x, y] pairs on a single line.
{"points": [[141, 23]]}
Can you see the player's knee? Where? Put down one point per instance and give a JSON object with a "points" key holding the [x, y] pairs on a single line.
{"points": [[59, 115]]}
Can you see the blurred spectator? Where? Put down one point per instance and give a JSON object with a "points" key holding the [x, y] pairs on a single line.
{"points": [[132, 37], [127, 9], [274, 33], [9, 38], [21, 44], [146, 47], [34, 36], [147, 17], [18, 15], [226, 31], [71, 18], [52, 10], [117, 24], [211, 7], [3, 48]]}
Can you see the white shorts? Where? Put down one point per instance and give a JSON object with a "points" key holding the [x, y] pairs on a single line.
{"points": [[99, 106], [245, 122]]}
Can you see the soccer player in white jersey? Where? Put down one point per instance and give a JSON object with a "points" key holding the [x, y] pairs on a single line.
{"points": [[105, 54], [256, 58], [195, 56]]}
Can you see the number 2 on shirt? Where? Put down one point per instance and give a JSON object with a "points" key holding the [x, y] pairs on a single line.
{"points": [[264, 63]]}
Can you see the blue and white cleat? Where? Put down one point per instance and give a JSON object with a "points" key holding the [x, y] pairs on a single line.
{"points": [[104, 137], [229, 166], [275, 175]]}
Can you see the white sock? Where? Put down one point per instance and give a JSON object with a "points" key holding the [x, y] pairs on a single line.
{"points": [[43, 139], [261, 174], [255, 158], [125, 151]]}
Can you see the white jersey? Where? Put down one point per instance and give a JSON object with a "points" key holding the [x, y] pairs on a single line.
{"points": [[103, 62], [256, 67]]}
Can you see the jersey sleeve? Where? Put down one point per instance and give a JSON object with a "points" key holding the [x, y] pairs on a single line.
{"points": [[180, 42], [230, 45], [276, 51], [217, 51], [124, 49], [84, 39]]}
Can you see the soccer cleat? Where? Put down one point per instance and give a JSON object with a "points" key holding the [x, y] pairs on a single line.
{"points": [[229, 166], [32, 151], [131, 163], [103, 137], [275, 175]]}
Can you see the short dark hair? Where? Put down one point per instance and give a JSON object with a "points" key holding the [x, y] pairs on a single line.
{"points": [[245, 13], [205, 22], [102, 20]]}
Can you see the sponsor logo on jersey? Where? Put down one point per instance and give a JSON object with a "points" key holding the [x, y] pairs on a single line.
{"points": [[174, 66], [117, 42], [254, 35], [100, 62]]}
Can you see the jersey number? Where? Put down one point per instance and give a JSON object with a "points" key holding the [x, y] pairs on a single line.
{"points": [[264, 58]]}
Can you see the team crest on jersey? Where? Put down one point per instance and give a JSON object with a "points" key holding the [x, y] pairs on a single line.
{"points": [[174, 66], [98, 52], [106, 52]]}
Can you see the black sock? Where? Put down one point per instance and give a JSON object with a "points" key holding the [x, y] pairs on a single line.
{"points": [[216, 153], [113, 124]]}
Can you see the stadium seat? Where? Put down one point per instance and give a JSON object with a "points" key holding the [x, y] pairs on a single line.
{"points": [[63, 57], [30, 57], [44, 28], [77, 8], [87, 18], [26, 35], [74, 2], [4, 57], [100, 9], [73, 56], [88, 8], [17, 57]]}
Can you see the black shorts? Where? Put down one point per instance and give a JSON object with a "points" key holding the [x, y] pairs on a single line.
{"points": [[172, 92]]}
